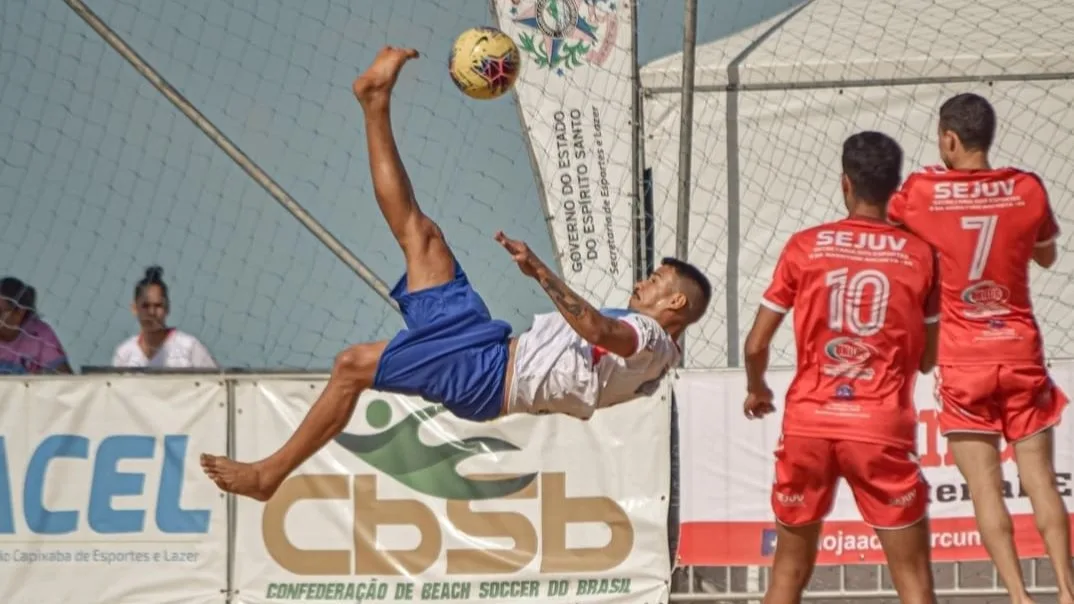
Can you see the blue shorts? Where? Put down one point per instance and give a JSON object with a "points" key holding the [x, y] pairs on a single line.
{"points": [[452, 351]]}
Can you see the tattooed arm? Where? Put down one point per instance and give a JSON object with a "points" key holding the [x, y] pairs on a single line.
{"points": [[613, 335]]}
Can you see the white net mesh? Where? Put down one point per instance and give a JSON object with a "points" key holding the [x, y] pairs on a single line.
{"points": [[102, 176], [774, 103]]}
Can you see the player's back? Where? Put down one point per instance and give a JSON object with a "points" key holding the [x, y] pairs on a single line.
{"points": [[984, 225], [859, 324]]}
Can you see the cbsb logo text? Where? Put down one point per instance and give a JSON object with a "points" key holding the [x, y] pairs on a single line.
{"points": [[68, 461], [398, 453]]}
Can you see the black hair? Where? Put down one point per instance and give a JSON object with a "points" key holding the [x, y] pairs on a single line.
{"points": [[972, 119], [691, 273], [154, 275], [872, 161], [20, 294]]}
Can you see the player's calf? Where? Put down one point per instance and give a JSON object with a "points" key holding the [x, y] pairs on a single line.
{"points": [[793, 563], [1036, 471], [353, 372], [909, 562], [977, 458]]}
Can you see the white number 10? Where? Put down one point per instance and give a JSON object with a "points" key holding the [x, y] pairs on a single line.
{"points": [[846, 301], [987, 227]]}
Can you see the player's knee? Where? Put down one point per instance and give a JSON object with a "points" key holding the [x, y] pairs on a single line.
{"points": [[357, 363], [793, 575], [420, 234], [995, 521]]}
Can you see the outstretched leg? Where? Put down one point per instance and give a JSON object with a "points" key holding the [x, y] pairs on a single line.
{"points": [[352, 373], [429, 261]]}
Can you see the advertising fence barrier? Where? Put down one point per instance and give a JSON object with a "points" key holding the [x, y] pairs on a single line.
{"points": [[100, 482], [101, 497]]}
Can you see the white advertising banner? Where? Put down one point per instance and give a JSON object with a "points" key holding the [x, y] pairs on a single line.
{"points": [[101, 496], [411, 504], [575, 95], [728, 468]]}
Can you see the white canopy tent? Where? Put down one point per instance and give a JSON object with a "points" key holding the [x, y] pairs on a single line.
{"points": [[774, 103]]}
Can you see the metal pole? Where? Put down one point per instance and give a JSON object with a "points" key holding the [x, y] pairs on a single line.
{"points": [[641, 221], [686, 132], [236, 154]]}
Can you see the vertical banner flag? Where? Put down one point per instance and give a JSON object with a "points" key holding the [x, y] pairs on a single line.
{"points": [[575, 97], [101, 496], [410, 504], [727, 480]]}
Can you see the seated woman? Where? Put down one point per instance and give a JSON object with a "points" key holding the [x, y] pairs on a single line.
{"points": [[158, 345], [27, 344]]}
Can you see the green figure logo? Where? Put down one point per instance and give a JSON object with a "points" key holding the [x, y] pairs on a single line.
{"points": [[399, 452]]}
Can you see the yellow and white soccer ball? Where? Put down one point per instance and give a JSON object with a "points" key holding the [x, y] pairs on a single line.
{"points": [[484, 63]]}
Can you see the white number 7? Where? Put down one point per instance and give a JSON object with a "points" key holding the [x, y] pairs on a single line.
{"points": [[987, 227]]}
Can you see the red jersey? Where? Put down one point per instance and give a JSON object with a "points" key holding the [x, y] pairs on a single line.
{"points": [[862, 291], [984, 225]]}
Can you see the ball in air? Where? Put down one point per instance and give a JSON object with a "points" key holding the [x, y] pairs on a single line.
{"points": [[484, 63]]}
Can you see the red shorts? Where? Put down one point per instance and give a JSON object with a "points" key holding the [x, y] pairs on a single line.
{"points": [[1016, 401], [888, 486]]}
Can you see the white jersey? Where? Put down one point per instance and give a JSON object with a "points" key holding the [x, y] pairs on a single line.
{"points": [[180, 350], [556, 371]]}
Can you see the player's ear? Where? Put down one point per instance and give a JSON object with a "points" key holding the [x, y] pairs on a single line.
{"points": [[844, 183], [949, 141], [134, 309], [678, 301]]}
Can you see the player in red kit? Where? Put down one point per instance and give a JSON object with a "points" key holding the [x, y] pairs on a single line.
{"points": [[987, 224], [863, 292]]}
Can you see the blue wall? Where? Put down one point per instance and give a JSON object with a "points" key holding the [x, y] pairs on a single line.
{"points": [[100, 176]]}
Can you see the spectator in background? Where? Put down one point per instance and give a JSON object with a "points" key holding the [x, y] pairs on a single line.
{"points": [[27, 344], [158, 345]]}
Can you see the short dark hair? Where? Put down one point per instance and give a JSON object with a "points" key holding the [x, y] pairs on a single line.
{"points": [[19, 293], [154, 275], [872, 161], [691, 273], [972, 118]]}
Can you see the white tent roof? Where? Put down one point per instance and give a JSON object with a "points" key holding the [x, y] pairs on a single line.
{"points": [[828, 41]]}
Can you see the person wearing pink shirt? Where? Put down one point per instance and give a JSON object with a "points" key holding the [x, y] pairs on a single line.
{"points": [[28, 345]]}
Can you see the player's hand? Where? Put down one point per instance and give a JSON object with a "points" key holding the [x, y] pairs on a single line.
{"points": [[526, 260], [758, 404]]}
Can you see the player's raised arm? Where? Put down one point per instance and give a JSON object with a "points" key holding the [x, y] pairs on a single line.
{"points": [[613, 335]]}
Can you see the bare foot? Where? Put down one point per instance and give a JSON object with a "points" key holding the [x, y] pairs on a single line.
{"points": [[237, 477], [375, 84]]}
